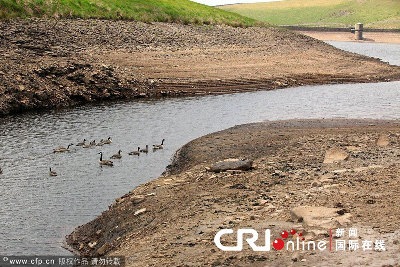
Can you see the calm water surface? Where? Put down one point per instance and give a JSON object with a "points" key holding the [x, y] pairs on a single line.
{"points": [[37, 211], [387, 52]]}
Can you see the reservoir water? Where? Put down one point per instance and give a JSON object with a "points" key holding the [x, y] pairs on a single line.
{"points": [[37, 211]]}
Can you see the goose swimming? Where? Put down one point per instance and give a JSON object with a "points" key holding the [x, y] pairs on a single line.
{"points": [[105, 161], [161, 146], [62, 149], [136, 153]]}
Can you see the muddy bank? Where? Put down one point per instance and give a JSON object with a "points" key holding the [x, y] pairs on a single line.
{"points": [[375, 37], [58, 63], [173, 220]]}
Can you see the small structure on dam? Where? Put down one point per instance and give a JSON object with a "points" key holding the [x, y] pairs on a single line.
{"points": [[358, 31]]}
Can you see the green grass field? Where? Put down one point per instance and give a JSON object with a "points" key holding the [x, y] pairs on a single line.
{"points": [[182, 11], [383, 14]]}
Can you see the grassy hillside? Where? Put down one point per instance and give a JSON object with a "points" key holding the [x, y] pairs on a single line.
{"points": [[142, 10], [335, 13]]}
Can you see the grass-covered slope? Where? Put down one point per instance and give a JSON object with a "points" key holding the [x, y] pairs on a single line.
{"points": [[334, 13], [183, 11]]}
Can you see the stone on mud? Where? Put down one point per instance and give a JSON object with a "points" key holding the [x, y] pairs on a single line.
{"points": [[92, 244], [335, 155], [137, 199], [320, 217], [141, 211], [383, 140], [231, 164], [102, 250]]}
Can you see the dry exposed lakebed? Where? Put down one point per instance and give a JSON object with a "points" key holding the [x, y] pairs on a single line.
{"points": [[344, 170], [57, 63]]}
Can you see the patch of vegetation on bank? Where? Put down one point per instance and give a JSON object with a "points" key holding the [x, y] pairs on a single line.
{"points": [[384, 14], [182, 11]]}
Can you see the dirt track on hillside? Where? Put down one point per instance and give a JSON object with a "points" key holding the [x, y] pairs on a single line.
{"points": [[50, 64], [172, 220]]}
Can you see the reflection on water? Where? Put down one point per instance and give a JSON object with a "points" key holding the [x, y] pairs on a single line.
{"points": [[37, 210]]}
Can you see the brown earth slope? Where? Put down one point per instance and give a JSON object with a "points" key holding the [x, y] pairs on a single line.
{"points": [[57, 63], [172, 220]]}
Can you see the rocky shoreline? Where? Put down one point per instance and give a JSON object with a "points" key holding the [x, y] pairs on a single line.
{"points": [[59, 63], [345, 170]]}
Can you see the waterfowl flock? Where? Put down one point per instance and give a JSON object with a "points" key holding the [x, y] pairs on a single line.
{"points": [[102, 161]]}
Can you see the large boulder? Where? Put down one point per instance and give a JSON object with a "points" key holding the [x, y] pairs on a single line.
{"points": [[231, 164]]}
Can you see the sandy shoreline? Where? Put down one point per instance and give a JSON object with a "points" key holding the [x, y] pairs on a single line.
{"points": [[58, 63], [173, 219]]}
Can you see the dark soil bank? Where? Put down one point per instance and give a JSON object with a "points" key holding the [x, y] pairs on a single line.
{"points": [[59, 63]]}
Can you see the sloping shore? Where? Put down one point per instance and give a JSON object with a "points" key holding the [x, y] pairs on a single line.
{"points": [[172, 220], [60, 63]]}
